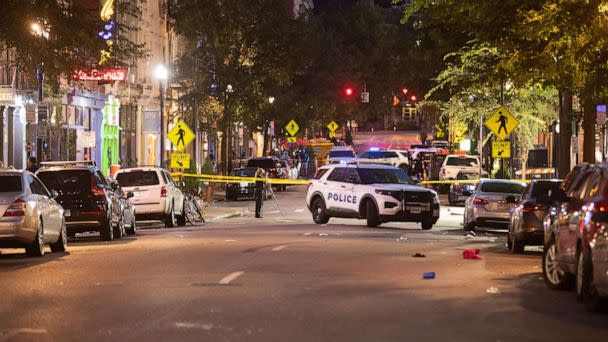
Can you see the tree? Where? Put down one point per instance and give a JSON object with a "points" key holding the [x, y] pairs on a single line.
{"points": [[66, 38]]}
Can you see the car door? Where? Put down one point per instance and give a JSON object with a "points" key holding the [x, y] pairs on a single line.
{"points": [[178, 196], [335, 190], [43, 204], [350, 188], [569, 221]]}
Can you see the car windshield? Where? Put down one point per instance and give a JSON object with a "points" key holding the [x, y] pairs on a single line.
{"points": [[10, 183], [67, 181], [541, 190], [384, 176], [461, 161], [261, 163], [245, 173], [137, 178], [500, 187], [341, 154]]}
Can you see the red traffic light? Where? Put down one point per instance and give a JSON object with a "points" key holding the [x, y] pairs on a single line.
{"points": [[348, 91], [404, 91], [414, 98]]}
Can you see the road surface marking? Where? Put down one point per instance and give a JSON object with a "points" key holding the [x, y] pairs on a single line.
{"points": [[193, 325], [299, 210], [229, 240], [274, 212], [229, 278], [14, 332], [278, 248]]}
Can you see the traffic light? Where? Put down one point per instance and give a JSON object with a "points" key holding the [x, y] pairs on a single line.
{"points": [[349, 91], [413, 98], [404, 91]]}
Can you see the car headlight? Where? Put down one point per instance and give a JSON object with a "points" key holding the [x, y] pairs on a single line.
{"points": [[387, 192]]}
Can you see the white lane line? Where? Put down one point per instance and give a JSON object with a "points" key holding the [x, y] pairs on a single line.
{"points": [[278, 248], [299, 210], [193, 325], [229, 278], [273, 212], [14, 332], [229, 240]]}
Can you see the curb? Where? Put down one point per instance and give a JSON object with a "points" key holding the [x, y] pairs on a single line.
{"points": [[236, 213]]}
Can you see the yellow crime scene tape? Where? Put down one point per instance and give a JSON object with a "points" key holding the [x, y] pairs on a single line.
{"points": [[475, 181], [239, 179]]}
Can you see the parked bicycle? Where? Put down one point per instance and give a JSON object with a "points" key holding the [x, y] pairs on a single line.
{"points": [[194, 213]]}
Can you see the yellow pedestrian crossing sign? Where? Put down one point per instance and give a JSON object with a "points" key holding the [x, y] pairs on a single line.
{"points": [[292, 128], [292, 139], [501, 149], [333, 126], [332, 134], [180, 161], [502, 123], [181, 135]]}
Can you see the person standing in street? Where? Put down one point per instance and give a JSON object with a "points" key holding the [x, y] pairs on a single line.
{"points": [[32, 164], [259, 192]]}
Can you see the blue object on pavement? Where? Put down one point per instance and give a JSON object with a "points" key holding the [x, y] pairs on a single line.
{"points": [[428, 275]]}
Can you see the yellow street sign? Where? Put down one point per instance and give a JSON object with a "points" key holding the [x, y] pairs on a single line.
{"points": [[180, 161], [502, 123], [292, 139], [181, 135], [333, 126], [501, 149], [332, 134], [292, 128]]}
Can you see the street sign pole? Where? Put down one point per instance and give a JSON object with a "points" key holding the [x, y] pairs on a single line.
{"points": [[480, 144]]}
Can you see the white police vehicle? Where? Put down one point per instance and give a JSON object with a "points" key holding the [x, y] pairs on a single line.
{"points": [[377, 193]]}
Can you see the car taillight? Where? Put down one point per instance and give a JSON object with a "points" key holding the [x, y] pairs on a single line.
{"points": [[530, 207], [16, 209], [163, 191], [480, 201], [456, 186], [95, 190]]}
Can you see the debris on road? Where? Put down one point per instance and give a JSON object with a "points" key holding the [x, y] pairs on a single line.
{"points": [[471, 254], [492, 290], [418, 255], [428, 275]]}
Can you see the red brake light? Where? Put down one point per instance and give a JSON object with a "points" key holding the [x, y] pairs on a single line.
{"points": [[480, 201], [163, 191], [16, 209], [96, 191], [530, 207], [456, 186]]}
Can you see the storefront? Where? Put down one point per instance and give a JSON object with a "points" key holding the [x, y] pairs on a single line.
{"points": [[128, 143], [12, 129], [110, 135], [150, 137]]}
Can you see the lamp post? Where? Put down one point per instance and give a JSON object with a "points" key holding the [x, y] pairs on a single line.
{"points": [[161, 74]]}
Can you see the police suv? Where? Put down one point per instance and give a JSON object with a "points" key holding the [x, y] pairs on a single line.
{"points": [[377, 193]]}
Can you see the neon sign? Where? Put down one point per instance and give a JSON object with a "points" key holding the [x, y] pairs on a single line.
{"points": [[108, 29], [101, 74]]}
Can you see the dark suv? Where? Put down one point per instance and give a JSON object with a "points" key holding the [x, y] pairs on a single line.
{"points": [[90, 203], [272, 166]]}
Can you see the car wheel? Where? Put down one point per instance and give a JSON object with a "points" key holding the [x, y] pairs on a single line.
{"points": [[585, 288], [36, 248], [509, 243], [181, 219], [119, 229], [133, 227], [62, 243], [170, 219], [554, 276], [107, 231], [450, 200], [371, 214], [319, 213], [517, 247], [427, 224]]}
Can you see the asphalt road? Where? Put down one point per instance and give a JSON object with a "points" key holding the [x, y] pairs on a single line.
{"points": [[282, 278]]}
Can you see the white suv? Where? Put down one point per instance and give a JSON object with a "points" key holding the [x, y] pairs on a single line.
{"points": [[155, 194], [377, 193], [341, 155], [454, 163], [395, 158]]}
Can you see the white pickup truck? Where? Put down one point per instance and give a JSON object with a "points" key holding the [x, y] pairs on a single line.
{"points": [[455, 163]]}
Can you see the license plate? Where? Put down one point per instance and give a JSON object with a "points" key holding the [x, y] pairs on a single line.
{"points": [[414, 210], [67, 213], [244, 184]]}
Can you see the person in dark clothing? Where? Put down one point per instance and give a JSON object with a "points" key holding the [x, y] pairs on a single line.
{"points": [[259, 192], [32, 164]]}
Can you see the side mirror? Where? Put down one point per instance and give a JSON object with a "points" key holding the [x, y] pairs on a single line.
{"points": [[511, 199], [54, 194], [130, 194]]}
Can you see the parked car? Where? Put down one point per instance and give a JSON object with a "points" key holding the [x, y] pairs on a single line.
{"points": [[488, 206], [90, 203], [341, 155], [576, 248], [459, 192], [272, 166], [156, 196], [440, 144], [455, 163], [128, 209], [395, 158], [30, 215], [234, 191], [526, 225]]}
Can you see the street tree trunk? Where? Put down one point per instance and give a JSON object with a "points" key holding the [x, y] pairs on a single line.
{"points": [[565, 133], [589, 118]]}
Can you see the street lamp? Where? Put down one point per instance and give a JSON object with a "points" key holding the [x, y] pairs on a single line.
{"points": [[161, 74], [271, 100]]}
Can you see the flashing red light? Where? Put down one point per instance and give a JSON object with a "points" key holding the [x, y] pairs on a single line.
{"points": [[414, 98], [348, 91], [404, 91]]}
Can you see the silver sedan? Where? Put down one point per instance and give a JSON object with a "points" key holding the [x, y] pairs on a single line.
{"points": [[488, 206], [29, 215]]}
